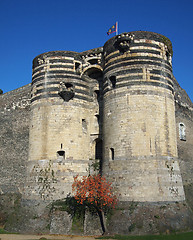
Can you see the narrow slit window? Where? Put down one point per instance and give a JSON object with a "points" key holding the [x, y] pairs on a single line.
{"points": [[182, 131], [84, 126], [167, 55], [98, 149], [98, 118], [113, 81], [96, 93], [112, 153], [61, 153], [77, 67]]}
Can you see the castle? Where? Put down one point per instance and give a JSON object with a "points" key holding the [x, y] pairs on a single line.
{"points": [[118, 104]]}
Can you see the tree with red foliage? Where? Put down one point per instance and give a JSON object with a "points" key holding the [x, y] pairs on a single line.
{"points": [[95, 191]]}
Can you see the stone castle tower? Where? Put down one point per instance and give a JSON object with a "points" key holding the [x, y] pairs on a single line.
{"points": [[115, 104], [140, 148], [118, 105]]}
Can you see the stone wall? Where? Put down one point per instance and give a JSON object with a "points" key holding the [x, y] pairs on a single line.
{"points": [[184, 130], [184, 115], [14, 138]]}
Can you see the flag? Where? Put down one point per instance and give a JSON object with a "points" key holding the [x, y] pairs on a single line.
{"points": [[112, 29]]}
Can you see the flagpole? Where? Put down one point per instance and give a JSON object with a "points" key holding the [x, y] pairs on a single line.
{"points": [[116, 28]]}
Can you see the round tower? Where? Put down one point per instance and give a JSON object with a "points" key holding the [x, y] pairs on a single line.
{"points": [[140, 150], [62, 112]]}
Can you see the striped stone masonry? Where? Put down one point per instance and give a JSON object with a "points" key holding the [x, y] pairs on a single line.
{"points": [[114, 104]]}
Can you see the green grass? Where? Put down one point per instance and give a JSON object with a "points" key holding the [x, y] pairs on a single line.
{"points": [[181, 236], [2, 231]]}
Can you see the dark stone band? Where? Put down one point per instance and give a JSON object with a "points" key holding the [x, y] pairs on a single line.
{"points": [[55, 95], [137, 58], [53, 72], [68, 74], [51, 89], [124, 64], [56, 83], [140, 83], [144, 51]]}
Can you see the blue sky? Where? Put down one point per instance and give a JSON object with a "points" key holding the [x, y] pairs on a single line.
{"points": [[31, 27]]}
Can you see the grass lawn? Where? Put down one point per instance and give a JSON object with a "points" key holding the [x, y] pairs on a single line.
{"points": [[2, 231], [180, 236]]}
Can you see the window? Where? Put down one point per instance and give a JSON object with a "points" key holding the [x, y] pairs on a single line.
{"points": [[182, 131], [98, 149], [93, 61], [167, 55], [61, 153], [112, 153], [97, 117], [96, 93], [78, 67], [113, 81], [84, 126]]}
